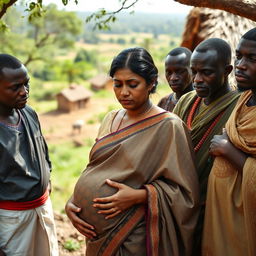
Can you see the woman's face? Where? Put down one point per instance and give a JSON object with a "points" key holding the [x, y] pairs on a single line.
{"points": [[131, 89]]}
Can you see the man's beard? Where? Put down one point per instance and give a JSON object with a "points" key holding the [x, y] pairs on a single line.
{"points": [[242, 89]]}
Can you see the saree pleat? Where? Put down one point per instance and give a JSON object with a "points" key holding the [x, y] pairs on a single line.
{"points": [[154, 153]]}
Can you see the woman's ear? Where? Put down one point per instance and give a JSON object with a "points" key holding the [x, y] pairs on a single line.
{"points": [[151, 86]]}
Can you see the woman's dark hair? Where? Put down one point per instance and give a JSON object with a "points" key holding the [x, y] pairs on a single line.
{"points": [[139, 61]]}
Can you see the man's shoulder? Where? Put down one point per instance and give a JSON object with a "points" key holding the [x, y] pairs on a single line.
{"points": [[186, 98], [29, 112], [165, 98], [28, 109]]}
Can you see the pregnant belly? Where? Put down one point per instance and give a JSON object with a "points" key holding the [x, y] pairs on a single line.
{"points": [[88, 187]]}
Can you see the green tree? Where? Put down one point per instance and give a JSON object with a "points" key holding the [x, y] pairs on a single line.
{"points": [[44, 36], [86, 56], [73, 71]]}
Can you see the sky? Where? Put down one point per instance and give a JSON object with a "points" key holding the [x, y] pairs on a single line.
{"points": [[149, 6]]}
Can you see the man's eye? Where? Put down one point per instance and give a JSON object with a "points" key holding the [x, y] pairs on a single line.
{"points": [[15, 88], [117, 85], [253, 58], [238, 56], [207, 72]]}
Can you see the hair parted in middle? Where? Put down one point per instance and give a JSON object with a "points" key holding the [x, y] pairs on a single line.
{"points": [[139, 61]]}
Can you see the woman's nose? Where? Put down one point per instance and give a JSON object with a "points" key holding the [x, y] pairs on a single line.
{"points": [[125, 90]]}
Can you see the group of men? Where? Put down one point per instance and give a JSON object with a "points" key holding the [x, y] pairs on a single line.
{"points": [[222, 123]]}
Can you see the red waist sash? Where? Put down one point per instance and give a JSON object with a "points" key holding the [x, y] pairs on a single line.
{"points": [[21, 206]]}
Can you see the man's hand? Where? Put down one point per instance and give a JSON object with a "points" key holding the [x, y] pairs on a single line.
{"points": [[220, 145]]}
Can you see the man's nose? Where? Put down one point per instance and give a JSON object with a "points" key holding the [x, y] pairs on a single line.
{"points": [[24, 90], [241, 63], [197, 78], [174, 77]]}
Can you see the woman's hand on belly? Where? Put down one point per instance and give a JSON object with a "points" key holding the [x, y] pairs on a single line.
{"points": [[83, 227], [123, 199]]}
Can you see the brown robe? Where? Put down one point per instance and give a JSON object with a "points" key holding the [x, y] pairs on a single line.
{"points": [[230, 223]]}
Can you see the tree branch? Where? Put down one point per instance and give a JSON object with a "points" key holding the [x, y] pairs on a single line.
{"points": [[103, 18], [6, 6], [243, 8], [31, 58]]}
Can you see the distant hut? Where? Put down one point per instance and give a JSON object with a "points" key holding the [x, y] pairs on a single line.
{"points": [[73, 98], [101, 81], [203, 23]]}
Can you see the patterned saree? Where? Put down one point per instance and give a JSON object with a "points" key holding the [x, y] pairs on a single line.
{"points": [[154, 153]]}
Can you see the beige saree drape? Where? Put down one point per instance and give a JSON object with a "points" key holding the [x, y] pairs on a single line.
{"points": [[155, 153], [230, 224]]}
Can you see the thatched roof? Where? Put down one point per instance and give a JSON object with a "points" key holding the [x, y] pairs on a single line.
{"points": [[75, 93], [203, 23], [100, 80]]}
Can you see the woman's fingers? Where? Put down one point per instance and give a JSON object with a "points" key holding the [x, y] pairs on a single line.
{"points": [[104, 206], [113, 215]]}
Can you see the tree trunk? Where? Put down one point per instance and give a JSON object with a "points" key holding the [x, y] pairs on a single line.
{"points": [[244, 8], [6, 6]]}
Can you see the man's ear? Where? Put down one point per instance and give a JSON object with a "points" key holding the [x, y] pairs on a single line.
{"points": [[228, 69]]}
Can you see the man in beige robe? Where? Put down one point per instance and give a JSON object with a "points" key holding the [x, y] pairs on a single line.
{"points": [[230, 226]]}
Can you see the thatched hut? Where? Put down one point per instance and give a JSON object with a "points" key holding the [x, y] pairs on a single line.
{"points": [[101, 81], [73, 98]]}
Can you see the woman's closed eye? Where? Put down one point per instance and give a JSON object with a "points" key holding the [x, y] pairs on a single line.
{"points": [[133, 85]]}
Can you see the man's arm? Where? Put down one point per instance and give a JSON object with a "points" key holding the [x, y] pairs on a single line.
{"points": [[222, 146]]}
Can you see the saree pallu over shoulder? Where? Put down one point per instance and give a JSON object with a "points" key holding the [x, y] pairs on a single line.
{"points": [[154, 153], [115, 137], [230, 226]]}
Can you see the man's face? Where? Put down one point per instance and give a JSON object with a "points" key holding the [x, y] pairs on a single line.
{"points": [[245, 65], [178, 72], [208, 73], [14, 88]]}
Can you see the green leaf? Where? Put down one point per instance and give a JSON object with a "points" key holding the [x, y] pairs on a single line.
{"points": [[65, 2]]}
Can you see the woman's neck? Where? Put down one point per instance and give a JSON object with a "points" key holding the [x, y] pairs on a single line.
{"points": [[144, 110]]}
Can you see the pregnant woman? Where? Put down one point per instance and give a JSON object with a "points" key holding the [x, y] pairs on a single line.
{"points": [[139, 192]]}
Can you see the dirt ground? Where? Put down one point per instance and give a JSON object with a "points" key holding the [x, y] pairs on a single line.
{"points": [[67, 233], [57, 125]]}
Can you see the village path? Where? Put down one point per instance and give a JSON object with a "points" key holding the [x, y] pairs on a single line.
{"points": [[57, 126]]}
